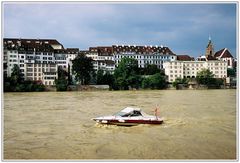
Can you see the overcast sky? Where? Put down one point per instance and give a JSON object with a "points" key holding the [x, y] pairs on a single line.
{"points": [[184, 28]]}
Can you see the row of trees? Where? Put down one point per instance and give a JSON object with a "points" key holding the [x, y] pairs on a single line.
{"points": [[126, 76]]}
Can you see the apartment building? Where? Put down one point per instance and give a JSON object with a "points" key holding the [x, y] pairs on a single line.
{"points": [[108, 57], [44, 72], [102, 58], [143, 54], [189, 69], [36, 58]]}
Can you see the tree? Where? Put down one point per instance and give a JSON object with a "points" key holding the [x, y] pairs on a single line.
{"points": [[180, 81], [16, 75], [231, 72], [83, 69], [151, 69], [156, 81], [109, 79], [100, 77], [126, 74], [62, 81], [69, 76], [205, 77]]}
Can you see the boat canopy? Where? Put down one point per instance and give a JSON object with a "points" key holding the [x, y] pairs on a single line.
{"points": [[129, 111]]}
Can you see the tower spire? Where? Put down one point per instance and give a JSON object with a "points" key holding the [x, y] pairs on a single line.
{"points": [[209, 50], [209, 37]]}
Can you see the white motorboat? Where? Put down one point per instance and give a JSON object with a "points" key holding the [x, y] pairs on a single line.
{"points": [[129, 117]]}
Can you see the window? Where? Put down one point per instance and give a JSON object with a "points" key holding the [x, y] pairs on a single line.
{"points": [[29, 69]]}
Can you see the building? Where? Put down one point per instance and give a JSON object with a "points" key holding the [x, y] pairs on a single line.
{"points": [[44, 72], [189, 69], [225, 55], [222, 55], [102, 58], [38, 59], [107, 58], [143, 54]]}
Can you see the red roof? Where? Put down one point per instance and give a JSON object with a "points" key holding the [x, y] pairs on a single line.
{"points": [[185, 58], [30, 44], [141, 49], [223, 53]]}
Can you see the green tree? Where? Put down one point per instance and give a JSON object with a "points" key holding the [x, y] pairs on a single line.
{"points": [[70, 81], [156, 81], [151, 69], [126, 74], [109, 79], [205, 77], [146, 83], [62, 81], [100, 77], [231, 72], [180, 81], [83, 69], [16, 75]]}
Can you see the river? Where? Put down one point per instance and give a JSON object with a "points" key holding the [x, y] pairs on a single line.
{"points": [[199, 124]]}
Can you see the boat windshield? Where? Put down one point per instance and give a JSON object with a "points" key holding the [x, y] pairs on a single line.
{"points": [[121, 114], [131, 114]]}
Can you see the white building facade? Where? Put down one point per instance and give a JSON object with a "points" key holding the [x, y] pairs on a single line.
{"points": [[144, 54], [105, 56], [189, 69], [38, 59]]}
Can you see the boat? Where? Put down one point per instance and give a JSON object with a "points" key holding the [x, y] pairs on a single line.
{"points": [[130, 116]]}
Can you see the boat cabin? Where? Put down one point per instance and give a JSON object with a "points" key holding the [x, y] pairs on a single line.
{"points": [[129, 112]]}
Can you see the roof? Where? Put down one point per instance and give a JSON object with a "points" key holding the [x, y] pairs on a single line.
{"points": [[209, 57], [72, 50], [185, 58], [105, 51], [223, 53], [30, 44], [141, 49]]}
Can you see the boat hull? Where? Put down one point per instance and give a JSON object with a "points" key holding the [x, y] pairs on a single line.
{"points": [[129, 122]]}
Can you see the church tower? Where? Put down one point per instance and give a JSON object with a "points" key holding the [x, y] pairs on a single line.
{"points": [[209, 49]]}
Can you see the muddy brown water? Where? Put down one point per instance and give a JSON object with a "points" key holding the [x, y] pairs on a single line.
{"points": [[199, 124]]}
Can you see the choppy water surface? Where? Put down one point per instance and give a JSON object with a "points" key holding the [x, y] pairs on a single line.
{"points": [[57, 125]]}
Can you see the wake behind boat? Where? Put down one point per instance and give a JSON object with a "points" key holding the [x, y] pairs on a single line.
{"points": [[129, 117]]}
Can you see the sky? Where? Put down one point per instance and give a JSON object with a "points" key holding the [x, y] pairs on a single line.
{"points": [[184, 27]]}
